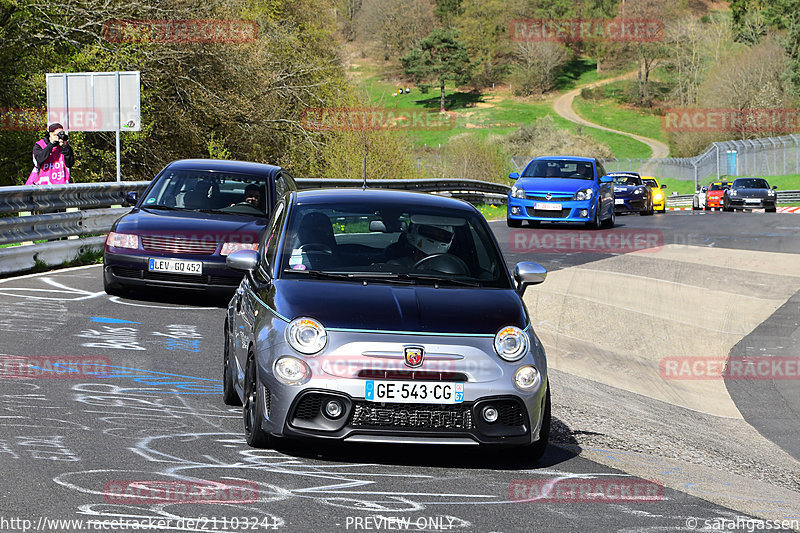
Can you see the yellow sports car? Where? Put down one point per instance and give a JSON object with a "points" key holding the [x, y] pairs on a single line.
{"points": [[659, 198]]}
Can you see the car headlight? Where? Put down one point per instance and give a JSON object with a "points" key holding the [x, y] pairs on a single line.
{"points": [[770, 192], [229, 247], [292, 370], [527, 378], [306, 335], [511, 343], [733, 193], [659, 194], [122, 240], [517, 192], [584, 194], [639, 191]]}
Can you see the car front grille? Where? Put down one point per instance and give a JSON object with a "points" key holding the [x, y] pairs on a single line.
{"points": [[228, 281], [553, 197], [542, 213], [414, 375], [178, 245], [418, 416]]}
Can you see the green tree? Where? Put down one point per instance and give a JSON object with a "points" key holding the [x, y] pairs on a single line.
{"points": [[440, 58]]}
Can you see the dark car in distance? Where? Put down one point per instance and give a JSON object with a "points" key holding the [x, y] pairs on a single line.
{"points": [[384, 316], [193, 215], [631, 194], [750, 193]]}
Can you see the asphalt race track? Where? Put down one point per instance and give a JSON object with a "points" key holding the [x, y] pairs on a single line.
{"points": [[713, 451]]}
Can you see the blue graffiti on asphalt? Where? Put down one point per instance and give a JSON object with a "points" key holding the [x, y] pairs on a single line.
{"points": [[105, 320]]}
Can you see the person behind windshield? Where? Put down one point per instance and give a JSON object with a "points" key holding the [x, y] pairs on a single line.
{"points": [[421, 241], [252, 195]]}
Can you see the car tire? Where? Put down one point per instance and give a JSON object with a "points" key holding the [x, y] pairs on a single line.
{"points": [[647, 212], [536, 451], [253, 409], [771, 209], [513, 223], [229, 395]]}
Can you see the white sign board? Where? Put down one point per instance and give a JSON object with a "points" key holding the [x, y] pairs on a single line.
{"points": [[94, 101]]}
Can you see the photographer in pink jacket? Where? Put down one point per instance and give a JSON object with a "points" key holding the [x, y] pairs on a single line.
{"points": [[52, 158]]}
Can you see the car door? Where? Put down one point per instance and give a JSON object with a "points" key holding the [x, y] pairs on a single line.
{"points": [[247, 298]]}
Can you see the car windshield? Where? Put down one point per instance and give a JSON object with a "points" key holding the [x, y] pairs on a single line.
{"points": [[751, 183], [627, 180], [393, 245], [650, 182], [556, 168], [209, 191], [717, 186]]}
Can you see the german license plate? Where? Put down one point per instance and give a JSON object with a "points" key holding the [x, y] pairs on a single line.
{"points": [[547, 206], [411, 392], [618, 201], [176, 266], [752, 201]]}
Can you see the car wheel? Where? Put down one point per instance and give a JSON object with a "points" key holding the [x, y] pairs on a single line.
{"points": [[513, 223], [538, 448], [253, 410], [647, 212], [771, 209], [229, 395]]}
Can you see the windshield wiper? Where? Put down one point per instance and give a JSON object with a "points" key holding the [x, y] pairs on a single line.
{"points": [[440, 279], [159, 206], [365, 276]]}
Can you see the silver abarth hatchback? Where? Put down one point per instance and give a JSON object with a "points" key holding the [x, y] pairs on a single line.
{"points": [[384, 316]]}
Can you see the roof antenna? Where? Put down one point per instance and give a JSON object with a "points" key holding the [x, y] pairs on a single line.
{"points": [[364, 171]]}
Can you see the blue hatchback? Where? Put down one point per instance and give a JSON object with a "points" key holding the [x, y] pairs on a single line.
{"points": [[562, 189]]}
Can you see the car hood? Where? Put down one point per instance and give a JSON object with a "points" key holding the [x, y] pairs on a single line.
{"points": [[422, 309], [189, 224], [563, 185]]}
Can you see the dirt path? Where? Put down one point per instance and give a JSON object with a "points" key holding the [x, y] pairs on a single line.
{"points": [[563, 106]]}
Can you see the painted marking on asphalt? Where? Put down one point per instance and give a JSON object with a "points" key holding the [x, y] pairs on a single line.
{"points": [[104, 320]]}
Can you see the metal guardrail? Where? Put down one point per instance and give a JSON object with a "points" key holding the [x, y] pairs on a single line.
{"points": [[89, 213]]}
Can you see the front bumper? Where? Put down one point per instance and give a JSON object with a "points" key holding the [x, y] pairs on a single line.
{"points": [[349, 361], [630, 205], [570, 210], [714, 201], [131, 270], [751, 203]]}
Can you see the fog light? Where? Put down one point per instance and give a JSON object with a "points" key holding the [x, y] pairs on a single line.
{"points": [[515, 210], [490, 414], [584, 213], [334, 408], [527, 378]]}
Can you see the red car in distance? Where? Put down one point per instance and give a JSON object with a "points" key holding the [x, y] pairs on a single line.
{"points": [[715, 193]]}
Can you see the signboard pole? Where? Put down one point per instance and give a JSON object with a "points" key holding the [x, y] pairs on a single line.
{"points": [[119, 119]]}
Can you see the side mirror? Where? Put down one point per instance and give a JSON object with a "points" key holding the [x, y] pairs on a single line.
{"points": [[242, 260], [774, 187], [131, 198], [606, 179], [528, 273], [513, 176], [664, 186], [703, 189]]}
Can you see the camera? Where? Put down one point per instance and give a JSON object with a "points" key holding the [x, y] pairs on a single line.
{"points": [[62, 136]]}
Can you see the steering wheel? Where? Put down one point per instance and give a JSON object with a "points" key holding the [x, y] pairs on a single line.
{"points": [[445, 263], [316, 247]]}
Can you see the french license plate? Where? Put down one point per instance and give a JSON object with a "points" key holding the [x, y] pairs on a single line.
{"points": [[547, 207], [411, 392], [618, 201], [752, 201], [177, 266]]}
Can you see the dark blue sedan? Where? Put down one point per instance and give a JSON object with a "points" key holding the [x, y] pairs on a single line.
{"points": [[562, 189], [194, 214], [631, 194], [384, 316]]}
